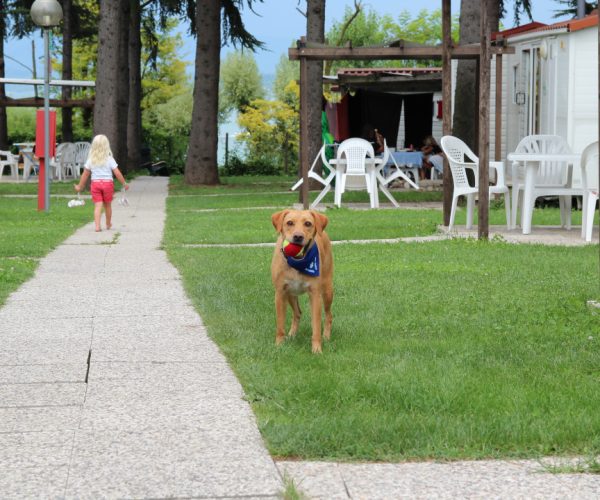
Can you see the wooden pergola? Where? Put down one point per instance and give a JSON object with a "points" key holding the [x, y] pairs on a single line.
{"points": [[481, 52], [38, 102]]}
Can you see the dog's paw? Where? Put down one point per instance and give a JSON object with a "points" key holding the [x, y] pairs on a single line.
{"points": [[279, 339], [316, 348]]}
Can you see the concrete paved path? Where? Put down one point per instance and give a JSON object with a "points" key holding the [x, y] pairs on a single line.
{"points": [[109, 385]]}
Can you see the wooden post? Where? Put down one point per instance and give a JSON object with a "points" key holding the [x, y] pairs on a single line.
{"points": [[498, 139], [484, 123], [304, 128], [447, 101]]}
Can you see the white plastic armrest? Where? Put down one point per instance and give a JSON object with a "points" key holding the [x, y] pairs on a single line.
{"points": [[498, 166]]}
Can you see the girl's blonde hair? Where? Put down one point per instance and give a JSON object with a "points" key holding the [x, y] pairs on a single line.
{"points": [[99, 151]]}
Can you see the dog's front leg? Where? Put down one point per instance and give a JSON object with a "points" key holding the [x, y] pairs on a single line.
{"points": [[280, 310], [315, 309], [293, 300]]}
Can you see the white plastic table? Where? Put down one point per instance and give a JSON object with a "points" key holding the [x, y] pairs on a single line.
{"points": [[371, 165], [532, 161]]}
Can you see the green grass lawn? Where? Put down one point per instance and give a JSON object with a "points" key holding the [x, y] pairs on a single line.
{"points": [[31, 188], [26, 235], [450, 349]]}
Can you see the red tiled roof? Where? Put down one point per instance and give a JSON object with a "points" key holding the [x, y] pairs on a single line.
{"points": [[570, 25]]}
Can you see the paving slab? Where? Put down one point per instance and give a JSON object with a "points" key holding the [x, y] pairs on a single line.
{"points": [[34, 482], [42, 394], [169, 463], [472, 479], [49, 373], [32, 419], [221, 414], [21, 450]]}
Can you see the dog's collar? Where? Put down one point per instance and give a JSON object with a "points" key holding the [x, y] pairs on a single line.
{"points": [[309, 263]]}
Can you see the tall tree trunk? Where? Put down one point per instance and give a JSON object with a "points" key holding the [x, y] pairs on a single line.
{"points": [[134, 116], [3, 118], [120, 150], [201, 163], [106, 109], [315, 32], [465, 95], [67, 69]]}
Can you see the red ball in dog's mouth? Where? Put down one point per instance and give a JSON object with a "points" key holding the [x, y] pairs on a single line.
{"points": [[291, 249]]}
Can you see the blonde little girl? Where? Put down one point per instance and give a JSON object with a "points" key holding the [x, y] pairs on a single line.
{"points": [[101, 165]]}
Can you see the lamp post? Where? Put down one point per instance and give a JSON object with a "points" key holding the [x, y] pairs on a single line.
{"points": [[46, 14]]}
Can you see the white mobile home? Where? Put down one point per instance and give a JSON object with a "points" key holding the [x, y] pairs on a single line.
{"points": [[550, 84]]}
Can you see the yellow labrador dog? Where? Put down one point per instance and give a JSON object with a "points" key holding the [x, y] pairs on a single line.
{"points": [[302, 263]]}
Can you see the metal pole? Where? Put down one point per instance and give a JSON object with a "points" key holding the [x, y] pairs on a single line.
{"points": [[47, 120], [580, 9]]}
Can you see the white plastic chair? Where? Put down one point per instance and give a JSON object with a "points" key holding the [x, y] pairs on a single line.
{"points": [[7, 159], [384, 182], [55, 163], [314, 175], [589, 178], [553, 177], [82, 150], [66, 161], [30, 165], [355, 151], [460, 157]]}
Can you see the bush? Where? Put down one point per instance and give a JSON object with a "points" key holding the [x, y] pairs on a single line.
{"points": [[238, 166]]}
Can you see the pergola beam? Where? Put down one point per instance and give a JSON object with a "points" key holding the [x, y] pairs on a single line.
{"points": [[53, 83], [326, 53], [38, 102]]}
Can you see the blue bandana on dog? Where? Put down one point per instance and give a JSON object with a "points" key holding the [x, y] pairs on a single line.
{"points": [[309, 264]]}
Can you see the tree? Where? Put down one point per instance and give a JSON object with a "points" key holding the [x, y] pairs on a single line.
{"points": [[15, 21], [369, 28], [167, 126], [201, 165], [240, 81], [270, 132], [3, 117], [109, 91], [570, 8], [286, 71], [315, 33], [465, 100], [134, 112]]}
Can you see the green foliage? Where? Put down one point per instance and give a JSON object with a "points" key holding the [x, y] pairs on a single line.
{"points": [[270, 132], [237, 166], [370, 28], [286, 71], [21, 124], [163, 72], [569, 8], [167, 128], [240, 82]]}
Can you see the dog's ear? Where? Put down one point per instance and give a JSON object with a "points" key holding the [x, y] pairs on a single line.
{"points": [[277, 220], [321, 220]]}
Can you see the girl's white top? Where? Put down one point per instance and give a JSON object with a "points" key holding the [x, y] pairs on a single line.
{"points": [[102, 172]]}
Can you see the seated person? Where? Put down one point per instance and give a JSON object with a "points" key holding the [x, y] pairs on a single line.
{"points": [[375, 138], [432, 158]]}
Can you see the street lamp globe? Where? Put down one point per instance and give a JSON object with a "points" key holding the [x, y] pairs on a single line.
{"points": [[46, 13]]}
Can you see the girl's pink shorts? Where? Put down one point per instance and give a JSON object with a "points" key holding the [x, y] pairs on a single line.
{"points": [[102, 191]]}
